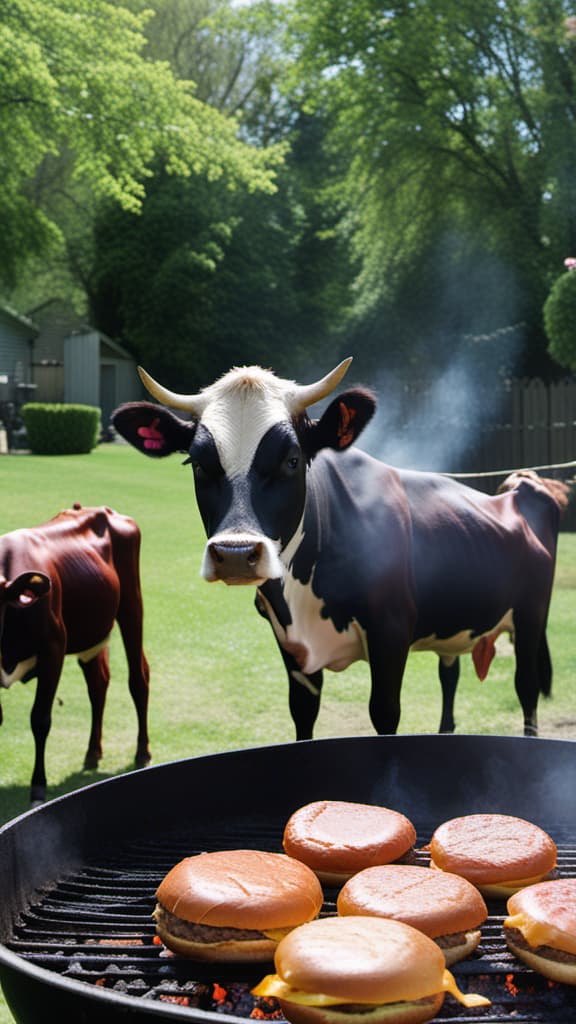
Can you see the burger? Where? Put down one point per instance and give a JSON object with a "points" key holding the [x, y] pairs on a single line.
{"points": [[336, 838], [360, 970], [498, 853], [541, 928], [446, 907], [234, 905]]}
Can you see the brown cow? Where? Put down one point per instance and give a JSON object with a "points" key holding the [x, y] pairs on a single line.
{"points": [[63, 584]]}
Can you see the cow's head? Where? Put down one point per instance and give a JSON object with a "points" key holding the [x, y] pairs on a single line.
{"points": [[249, 441], [24, 590], [21, 592]]}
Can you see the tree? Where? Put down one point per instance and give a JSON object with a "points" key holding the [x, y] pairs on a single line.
{"points": [[459, 120], [205, 278], [85, 116]]}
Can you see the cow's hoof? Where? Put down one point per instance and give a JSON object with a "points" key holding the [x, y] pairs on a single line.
{"points": [[91, 761], [141, 760], [37, 796]]}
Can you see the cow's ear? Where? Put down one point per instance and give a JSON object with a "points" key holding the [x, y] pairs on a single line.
{"points": [[342, 422], [152, 429], [26, 589]]}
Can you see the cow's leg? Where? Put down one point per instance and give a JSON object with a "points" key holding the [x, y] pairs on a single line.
{"points": [[387, 664], [129, 618], [304, 700], [40, 722], [533, 668], [449, 673], [304, 693], [97, 676]]}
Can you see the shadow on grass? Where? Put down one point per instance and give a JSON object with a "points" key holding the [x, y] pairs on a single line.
{"points": [[15, 800]]}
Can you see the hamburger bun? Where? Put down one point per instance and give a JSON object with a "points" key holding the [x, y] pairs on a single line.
{"points": [[359, 969], [336, 838], [541, 928], [498, 853], [446, 907], [234, 904]]}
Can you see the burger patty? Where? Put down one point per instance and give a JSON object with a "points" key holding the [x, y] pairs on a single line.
{"points": [[201, 932], [358, 1008], [454, 939], [549, 952]]}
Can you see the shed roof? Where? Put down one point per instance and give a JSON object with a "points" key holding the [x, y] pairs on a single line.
{"points": [[9, 314]]}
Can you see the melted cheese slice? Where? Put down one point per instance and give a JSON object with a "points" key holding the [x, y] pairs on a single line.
{"points": [[272, 985], [537, 933], [509, 887], [275, 934]]}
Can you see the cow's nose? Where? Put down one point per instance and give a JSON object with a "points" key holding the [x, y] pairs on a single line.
{"points": [[236, 561]]}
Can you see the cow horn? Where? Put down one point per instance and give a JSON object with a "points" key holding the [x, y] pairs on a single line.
{"points": [[190, 403], [307, 394], [301, 395]]}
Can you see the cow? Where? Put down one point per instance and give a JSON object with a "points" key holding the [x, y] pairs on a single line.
{"points": [[352, 558], [63, 584]]}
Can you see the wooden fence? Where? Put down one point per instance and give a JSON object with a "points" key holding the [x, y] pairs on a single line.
{"points": [[536, 428]]}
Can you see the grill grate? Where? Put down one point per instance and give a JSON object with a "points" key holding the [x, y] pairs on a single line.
{"points": [[96, 927]]}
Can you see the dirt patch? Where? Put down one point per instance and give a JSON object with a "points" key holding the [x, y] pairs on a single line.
{"points": [[561, 728]]}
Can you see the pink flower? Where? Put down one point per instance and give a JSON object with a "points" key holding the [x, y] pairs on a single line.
{"points": [[570, 263]]}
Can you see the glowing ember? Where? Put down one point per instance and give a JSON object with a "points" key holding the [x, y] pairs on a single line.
{"points": [[219, 994], [512, 988], [267, 1009]]}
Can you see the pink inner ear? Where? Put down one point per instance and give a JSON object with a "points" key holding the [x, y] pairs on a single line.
{"points": [[152, 437], [345, 431]]}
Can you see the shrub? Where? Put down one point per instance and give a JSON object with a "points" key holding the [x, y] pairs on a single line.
{"points": [[55, 429], [560, 320]]}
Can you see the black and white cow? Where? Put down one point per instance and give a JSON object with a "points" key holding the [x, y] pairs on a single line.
{"points": [[353, 559]]}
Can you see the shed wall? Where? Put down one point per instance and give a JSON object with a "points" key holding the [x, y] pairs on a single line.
{"points": [[15, 355], [82, 368]]}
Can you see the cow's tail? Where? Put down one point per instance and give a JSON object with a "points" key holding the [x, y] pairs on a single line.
{"points": [[545, 667]]}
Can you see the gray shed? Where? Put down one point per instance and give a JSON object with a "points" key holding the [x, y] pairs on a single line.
{"points": [[17, 337], [73, 362], [98, 371]]}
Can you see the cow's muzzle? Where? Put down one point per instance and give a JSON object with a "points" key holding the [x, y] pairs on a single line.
{"points": [[241, 559]]}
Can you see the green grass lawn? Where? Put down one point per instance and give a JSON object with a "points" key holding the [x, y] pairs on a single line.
{"points": [[217, 680]]}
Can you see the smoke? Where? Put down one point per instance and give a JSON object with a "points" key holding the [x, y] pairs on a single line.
{"points": [[432, 423], [451, 340]]}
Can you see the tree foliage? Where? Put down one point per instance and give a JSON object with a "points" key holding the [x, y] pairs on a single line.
{"points": [[83, 109], [460, 122], [560, 319], [427, 200], [205, 278]]}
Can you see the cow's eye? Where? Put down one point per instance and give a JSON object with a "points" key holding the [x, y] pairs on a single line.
{"points": [[207, 471], [292, 463], [200, 472]]}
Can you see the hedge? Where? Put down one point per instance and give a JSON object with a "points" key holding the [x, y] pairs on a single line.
{"points": [[57, 429], [560, 320]]}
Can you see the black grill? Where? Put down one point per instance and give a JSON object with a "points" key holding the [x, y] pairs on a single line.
{"points": [[78, 876], [95, 926]]}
